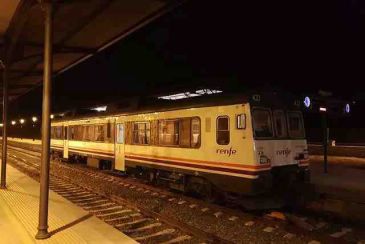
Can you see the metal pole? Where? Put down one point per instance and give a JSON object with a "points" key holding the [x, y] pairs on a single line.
{"points": [[47, 82], [325, 142], [5, 127]]}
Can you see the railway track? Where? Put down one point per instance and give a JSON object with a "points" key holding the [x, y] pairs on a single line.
{"points": [[142, 225], [153, 216]]}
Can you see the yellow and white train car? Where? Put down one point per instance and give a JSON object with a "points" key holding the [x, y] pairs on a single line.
{"points": [[239, 147]]}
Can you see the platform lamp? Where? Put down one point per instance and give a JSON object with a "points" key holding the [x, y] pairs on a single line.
{"points": [[323, 111]]}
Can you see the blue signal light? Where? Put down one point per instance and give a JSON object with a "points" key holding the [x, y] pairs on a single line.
{"points": [[347, 108], [307, 102]]}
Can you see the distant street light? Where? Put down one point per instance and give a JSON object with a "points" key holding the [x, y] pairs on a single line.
{"points": [[34, 119], [52, 116], [22, 121], [323, 109], [13, 122], [1, 125]]}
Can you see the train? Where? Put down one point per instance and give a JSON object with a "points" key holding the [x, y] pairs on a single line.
{"points": [[245, 145]]}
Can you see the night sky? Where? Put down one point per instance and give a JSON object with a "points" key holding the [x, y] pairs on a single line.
{"points": [[299, 46]]}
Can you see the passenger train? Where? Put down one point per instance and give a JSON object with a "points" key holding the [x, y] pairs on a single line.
{"points": [[243, 146]]}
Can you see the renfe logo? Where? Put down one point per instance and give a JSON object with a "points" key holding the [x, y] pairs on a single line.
{"points": [[228, 152], [285, 152]]}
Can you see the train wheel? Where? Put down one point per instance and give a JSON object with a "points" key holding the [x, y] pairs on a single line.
{"points": [[202, 188]]}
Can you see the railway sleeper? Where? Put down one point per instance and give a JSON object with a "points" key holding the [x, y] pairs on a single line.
{"points": [[135, 223], [161, 234], [144, 228]]}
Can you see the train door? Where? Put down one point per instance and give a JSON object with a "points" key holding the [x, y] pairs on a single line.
{"points": [[65, 141], [119, 147]]}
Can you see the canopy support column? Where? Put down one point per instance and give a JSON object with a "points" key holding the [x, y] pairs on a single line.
{"points": [[46, 123], [5, 126]]}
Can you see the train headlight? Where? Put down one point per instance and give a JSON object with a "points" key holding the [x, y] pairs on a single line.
{"points": [[264, 159]]}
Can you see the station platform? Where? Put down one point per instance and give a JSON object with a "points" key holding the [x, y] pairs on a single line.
{"points": [[68, 223], [342, 188], [345, 176]]}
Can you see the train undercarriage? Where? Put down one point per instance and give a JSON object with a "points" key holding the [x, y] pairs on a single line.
{"points": [[285, 186]]}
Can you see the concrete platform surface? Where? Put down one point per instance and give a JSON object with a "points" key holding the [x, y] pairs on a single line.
{"points": [[68, 223], [345, 175]]}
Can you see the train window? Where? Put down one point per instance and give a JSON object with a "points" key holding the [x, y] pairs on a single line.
{"points": [[168, 131], [280, 124], [65, 136], [195, 132], [99, 133], [262, 123], [223, 135], [88, 133], [141, 133], [185, 132], [108, 130], [79, 132], [58, 132], [295, 125], [72, 133]]}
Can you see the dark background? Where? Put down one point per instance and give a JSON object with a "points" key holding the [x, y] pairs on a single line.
{"points": [[297, 46]]}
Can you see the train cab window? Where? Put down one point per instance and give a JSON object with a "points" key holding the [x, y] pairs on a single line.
{"points": [[223, 134], [280, 124], [168, 131], [262, 123], [295, 125], [141, 133]]}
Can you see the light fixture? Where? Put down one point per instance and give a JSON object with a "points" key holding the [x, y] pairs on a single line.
{"points": [[1, 125], [347, 108], [22, 121], [34, 119], [100, 109], [322, 109], [52, 116], [184, 95], [307, 102], [13, 122]]}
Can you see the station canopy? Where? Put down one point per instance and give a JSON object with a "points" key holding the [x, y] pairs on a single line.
{"points": [[82, 28]]}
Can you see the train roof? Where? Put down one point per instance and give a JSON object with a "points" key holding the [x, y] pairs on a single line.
{"points": [[139, 105]]}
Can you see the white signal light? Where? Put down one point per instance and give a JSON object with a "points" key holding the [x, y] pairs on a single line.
{"points": [[323, 109]]}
